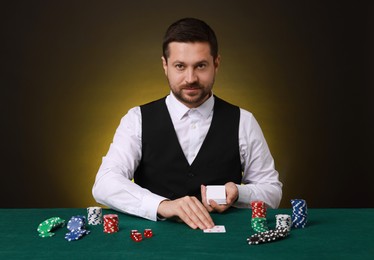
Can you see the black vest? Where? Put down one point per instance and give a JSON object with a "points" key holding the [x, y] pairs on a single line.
{"points": [[164, 169]]}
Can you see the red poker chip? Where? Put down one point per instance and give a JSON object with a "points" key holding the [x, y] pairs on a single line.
{"points": [[257, 202], [111, 223], [258, 209]]}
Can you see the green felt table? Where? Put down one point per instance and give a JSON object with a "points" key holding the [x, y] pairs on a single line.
{"points": [[330, 234]]}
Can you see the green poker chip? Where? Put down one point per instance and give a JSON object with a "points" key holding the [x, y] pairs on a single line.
{"points": [[48, 225], [259, 224], [46, 234]]}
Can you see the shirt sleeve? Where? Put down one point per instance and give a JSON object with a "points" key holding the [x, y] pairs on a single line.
{"points": [[113, 184], [260, 179]]}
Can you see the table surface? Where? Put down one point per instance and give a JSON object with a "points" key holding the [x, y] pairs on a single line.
{"points": [[330, 234]]}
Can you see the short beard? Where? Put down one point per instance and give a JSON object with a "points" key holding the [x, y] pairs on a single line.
{"points": [[192, 101]]}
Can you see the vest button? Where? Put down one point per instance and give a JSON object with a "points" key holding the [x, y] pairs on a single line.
{"points": [[190, 174]]}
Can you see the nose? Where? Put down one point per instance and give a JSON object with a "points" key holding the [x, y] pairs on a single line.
{"points": [[191, 76]]}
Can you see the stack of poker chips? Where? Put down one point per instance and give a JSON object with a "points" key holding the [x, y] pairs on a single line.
{"points": [[299, 213], [49, 225], [283, 221], [268, 236], [111, 223], [95, 215], [258, 221], [77, 228]]}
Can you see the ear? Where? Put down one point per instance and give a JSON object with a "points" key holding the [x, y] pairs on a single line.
{"points": [[217, 62], [165, 65]]}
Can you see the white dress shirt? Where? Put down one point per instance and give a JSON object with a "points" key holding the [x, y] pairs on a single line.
{"points": [[114, 186]]}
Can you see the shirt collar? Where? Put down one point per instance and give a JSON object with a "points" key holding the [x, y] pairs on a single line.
{"points": [[180, 110]]}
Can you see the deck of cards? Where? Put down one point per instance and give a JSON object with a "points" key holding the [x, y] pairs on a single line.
{"points": [[216, 193]]}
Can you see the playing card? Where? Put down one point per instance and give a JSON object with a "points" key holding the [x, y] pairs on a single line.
{"points": [[216, 229]]}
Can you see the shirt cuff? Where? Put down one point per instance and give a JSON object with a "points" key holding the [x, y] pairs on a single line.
{"points": [[244, 197], [150, 205]]}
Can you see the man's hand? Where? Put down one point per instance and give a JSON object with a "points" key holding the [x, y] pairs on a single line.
{"points": [[232, 194], [189, 210]]}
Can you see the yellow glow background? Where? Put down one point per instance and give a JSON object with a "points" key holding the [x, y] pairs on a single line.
{"points": [[73, 69]]}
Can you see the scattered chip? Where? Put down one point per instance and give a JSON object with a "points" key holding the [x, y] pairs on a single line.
{"points": [[268, 236], [49, 225]]}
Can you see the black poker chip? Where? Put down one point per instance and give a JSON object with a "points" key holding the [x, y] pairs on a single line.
{"points": [[268, 236]]}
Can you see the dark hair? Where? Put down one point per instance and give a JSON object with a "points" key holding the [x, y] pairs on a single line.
{"points": [[190, 30]]}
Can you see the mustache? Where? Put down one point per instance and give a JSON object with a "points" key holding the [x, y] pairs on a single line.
{"points": [[192, 85]]}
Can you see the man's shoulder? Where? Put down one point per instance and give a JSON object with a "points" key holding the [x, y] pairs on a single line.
{"points": [[245, 113]]}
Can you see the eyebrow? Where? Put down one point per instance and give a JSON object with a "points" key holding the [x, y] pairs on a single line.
{"points": [[181, 62]]}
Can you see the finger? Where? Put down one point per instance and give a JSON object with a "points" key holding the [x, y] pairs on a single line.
{"points": [[187, 215], [180, 209], [204, 200], [207, 219], [230, 198], [199, 214], [186, 219], [189, 210], [232, 193], [217, 207], [174, 209]]}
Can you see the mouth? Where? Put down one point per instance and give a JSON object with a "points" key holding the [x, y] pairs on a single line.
{"points": [[192, 87]]}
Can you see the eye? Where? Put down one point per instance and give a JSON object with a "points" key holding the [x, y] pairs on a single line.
{"points": [[179, 66], [201, 66]]}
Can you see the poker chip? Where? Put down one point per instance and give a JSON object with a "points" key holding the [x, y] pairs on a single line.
{"points": [[77, 227], [46, 234], [267, 236], [111, 223], [299, 213], [259, 224], [94, 215], [48, 225], [258, 209], [76, 234], [258, 221], [76, 223], [73, 235], [283, 221]]}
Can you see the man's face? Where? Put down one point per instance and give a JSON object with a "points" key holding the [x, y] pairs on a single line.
{"points": [[190, 70]]}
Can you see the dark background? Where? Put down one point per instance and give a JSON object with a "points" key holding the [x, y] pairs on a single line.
{"points": [[72, 69]]}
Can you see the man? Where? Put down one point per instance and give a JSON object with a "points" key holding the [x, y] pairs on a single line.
{"points": [[175, 146]]}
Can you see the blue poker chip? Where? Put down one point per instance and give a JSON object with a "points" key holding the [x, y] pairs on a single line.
{"points": [[73, 235], [76, 234], [76, 223], [299, 213]]}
